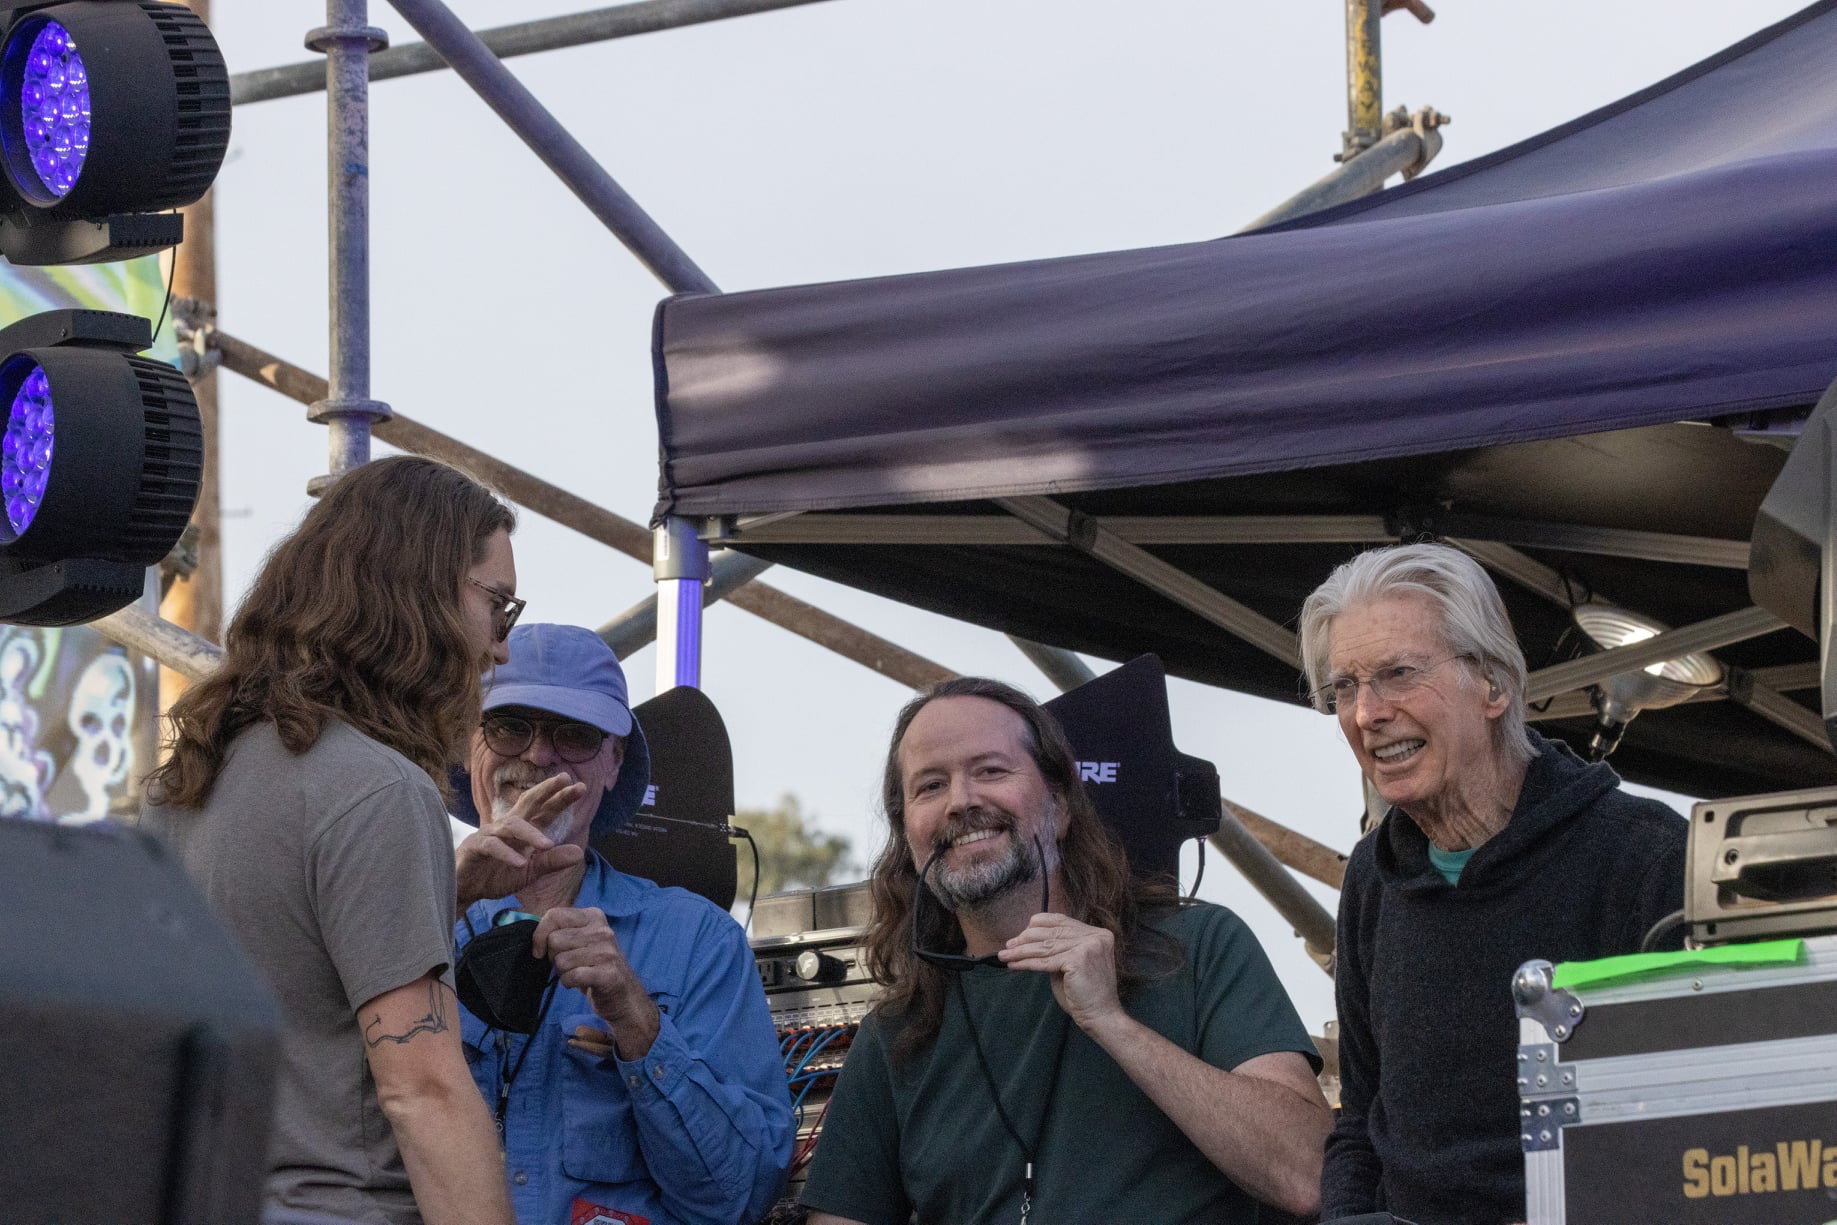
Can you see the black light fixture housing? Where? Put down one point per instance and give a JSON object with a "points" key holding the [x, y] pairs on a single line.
{"points": [[145, 122], [121, 461]]}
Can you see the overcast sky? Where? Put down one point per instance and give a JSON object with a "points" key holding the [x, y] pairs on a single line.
{"points": [[843, 139]]}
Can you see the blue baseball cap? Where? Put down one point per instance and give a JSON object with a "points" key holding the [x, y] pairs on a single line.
{"points": [[569, 671]]}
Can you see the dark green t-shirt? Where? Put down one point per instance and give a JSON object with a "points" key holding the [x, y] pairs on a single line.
{"points": [[924, 1134]]}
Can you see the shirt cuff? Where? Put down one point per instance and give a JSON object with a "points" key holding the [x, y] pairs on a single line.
{"points": [[661, 1067]]}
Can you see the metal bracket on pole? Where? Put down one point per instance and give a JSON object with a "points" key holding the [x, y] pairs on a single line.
{"points": [[195, 324], [679, 560], [1426, 124]]}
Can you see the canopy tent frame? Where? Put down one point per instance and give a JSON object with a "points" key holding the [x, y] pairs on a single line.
{"points": [[985, 421], [681, 561]]}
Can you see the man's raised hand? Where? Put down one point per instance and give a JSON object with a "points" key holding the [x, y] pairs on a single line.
{"points": [[509, 852], [1081, 960], [586, 955]]}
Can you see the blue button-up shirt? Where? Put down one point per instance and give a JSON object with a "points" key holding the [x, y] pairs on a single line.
{"points": [[698, 1130]]}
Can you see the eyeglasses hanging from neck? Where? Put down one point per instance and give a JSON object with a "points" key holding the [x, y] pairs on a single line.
{"points": [[961, 961]]}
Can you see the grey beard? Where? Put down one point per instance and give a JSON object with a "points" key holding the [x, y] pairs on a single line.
{"points": [[976, 886], [561, 828]]}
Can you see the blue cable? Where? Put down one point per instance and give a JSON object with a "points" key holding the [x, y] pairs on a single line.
{"points": [[829, 1035], [788, 1051]]}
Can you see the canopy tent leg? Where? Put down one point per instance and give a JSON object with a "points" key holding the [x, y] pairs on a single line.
{"points": [[636, 628], [680, 562]]}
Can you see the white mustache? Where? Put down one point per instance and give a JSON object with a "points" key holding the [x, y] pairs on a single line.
{"points": [[522, 774]]}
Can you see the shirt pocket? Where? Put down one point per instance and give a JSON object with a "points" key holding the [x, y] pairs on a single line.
{"points": [[599, 1135]]}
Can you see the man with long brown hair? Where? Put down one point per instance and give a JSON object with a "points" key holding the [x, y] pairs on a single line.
{"points": [[1055, 1037], [306, 792]]}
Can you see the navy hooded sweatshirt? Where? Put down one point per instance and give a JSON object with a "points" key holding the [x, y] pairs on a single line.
{"points": [[1428, 1127]]}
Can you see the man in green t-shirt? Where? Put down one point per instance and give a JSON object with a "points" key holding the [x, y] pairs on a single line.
{"points": [[1055, 1039]]}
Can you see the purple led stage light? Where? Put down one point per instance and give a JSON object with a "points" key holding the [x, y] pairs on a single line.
{"points": [[25, 451], [53, 98]]}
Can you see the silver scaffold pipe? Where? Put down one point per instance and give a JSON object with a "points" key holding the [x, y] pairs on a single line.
{"points": [[1405, 151], [522, 38], [554, 144]]}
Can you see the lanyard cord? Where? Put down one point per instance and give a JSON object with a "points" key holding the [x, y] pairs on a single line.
{"points": [[1001, 1111], [508, 1073]]}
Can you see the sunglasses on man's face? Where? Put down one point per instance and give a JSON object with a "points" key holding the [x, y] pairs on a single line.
{"points": [[961, 961], [505, 609], [510, 735]]}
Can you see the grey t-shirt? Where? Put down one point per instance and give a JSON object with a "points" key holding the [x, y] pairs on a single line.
{"points": [[335, 870]]}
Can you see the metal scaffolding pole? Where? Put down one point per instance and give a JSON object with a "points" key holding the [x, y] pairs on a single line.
{"points": [[1364, 78], [554, 144], [347, 410], [523, 38], [681, 556]]}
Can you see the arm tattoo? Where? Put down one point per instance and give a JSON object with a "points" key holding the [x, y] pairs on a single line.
{"points": [[433, 1023]]}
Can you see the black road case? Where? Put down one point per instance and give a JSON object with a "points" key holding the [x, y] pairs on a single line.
{"points": [[1705, 1097]]}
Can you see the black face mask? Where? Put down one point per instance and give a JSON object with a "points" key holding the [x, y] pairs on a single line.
{"points": [[504, 984]]}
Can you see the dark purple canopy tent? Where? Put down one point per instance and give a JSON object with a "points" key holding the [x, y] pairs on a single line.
{"points": [[1573, 356]]}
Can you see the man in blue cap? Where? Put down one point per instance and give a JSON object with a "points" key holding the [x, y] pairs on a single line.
{"points": [[651, 1089]]}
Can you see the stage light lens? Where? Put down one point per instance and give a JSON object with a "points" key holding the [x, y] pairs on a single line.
{"points": [[25, 451], [53, 100]]}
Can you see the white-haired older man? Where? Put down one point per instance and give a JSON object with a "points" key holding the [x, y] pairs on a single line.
{"points": [[1499, 846]]}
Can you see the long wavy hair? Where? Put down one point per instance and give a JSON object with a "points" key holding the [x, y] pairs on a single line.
{"points": [[1097, 886], [355, 616]]}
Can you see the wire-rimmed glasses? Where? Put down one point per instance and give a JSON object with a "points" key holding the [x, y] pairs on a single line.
{"points": [[1390, 684]]}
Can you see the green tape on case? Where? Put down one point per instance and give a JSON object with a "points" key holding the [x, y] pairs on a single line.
{"points": [[1605, 970]]}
